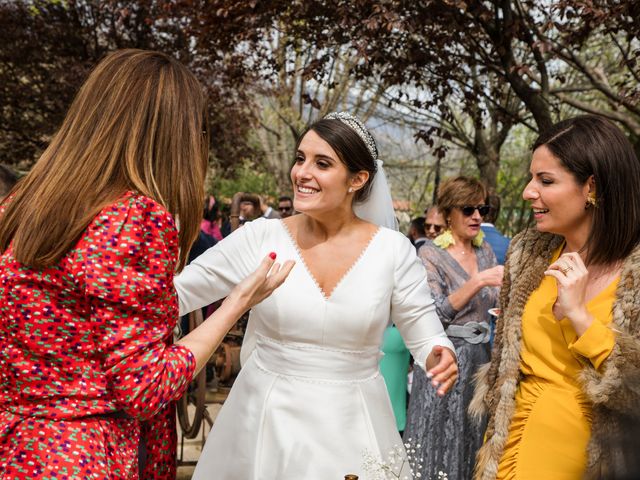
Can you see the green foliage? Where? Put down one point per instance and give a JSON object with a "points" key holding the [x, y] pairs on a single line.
{"points": [[245, 178]]}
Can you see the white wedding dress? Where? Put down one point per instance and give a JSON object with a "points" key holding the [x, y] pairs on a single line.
{"points": [[309, 400]]}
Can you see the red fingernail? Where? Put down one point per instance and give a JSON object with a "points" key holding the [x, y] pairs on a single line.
{"points": [[273, 255]]}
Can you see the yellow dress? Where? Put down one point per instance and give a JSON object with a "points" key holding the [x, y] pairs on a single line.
{"points": [[551, 425]]}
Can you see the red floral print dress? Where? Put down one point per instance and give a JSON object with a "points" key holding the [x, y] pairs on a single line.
{"points": [[86, 362]]}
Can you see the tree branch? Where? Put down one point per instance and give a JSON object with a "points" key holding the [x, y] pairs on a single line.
{"points": [[627, 120]]}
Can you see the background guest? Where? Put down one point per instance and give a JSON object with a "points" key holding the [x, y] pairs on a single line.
{"points": [[416, 233], [434, 223], [394, 366], [249, 207], [267, 211], [211, 219], [492, 236], [285, 206], [463, 276]]}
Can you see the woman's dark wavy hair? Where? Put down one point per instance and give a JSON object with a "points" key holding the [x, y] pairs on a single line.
{"points": [[350, 148], [592, 145]]}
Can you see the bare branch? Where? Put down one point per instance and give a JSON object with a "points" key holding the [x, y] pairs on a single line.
{"points": [[627, 120]]}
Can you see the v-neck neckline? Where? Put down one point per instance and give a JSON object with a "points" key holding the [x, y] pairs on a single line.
{"points": [[460, 267], [327, 296]]}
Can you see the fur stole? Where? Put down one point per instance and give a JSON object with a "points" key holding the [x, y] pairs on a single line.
{"points": [[613, 389]]}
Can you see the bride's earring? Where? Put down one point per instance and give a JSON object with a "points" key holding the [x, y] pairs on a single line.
{"points": [[350, 190]]}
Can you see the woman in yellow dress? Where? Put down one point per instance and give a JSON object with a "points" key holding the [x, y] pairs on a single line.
{"points": [[562, 390]]}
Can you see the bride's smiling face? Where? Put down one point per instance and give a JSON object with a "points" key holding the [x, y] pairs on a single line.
{"points": [[320, 180]]}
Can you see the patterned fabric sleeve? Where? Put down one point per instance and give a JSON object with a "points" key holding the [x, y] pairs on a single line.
{"points": [[439, 289], [130, 253]]}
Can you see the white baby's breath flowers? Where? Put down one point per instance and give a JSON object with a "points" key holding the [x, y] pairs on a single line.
{"points": [[399, 463], [396, 464]]}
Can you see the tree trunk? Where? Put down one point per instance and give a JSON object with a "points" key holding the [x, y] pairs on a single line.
{"points": [[489, 164]]}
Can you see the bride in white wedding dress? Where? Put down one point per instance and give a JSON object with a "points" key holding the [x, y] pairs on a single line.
{"points": [[310, 400]]}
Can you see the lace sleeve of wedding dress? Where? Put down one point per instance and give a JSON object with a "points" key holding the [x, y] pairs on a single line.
{"points": [[412, 307], [212, 275]]}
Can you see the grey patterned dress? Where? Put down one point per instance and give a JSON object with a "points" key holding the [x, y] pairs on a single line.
{"points": [[447, 437]]}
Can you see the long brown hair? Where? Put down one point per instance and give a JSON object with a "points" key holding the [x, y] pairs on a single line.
{"points": [[138, 123]]}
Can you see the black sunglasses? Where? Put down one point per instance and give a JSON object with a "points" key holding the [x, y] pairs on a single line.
{"points": [[436, 228], [467, 210], [284, 209]]}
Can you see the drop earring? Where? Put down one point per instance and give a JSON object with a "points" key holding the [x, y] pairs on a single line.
{"points": [[591, 201]]}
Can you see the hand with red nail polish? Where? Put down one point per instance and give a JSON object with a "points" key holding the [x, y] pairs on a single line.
{"points": [[261, 283]]}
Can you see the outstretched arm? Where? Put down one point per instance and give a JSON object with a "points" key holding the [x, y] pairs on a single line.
{"points": [[203, 341], [128, 259]]}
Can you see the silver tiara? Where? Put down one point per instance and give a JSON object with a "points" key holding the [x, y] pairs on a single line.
{"points": [[358, 127]]}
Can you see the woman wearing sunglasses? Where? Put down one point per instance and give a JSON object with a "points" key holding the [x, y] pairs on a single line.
{"points": [[464, 278]]}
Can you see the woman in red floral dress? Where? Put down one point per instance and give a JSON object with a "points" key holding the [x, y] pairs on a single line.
{"points": [[87, 306]]}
